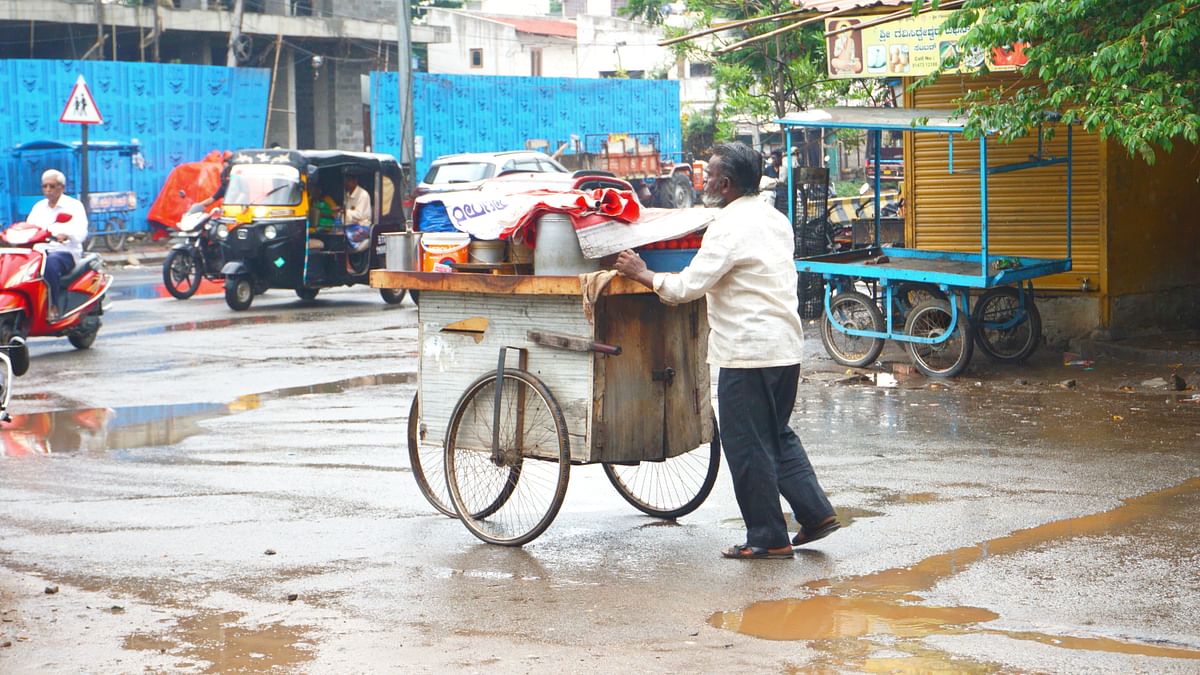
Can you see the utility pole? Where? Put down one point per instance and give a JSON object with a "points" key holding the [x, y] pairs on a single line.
{"points": [[404, 68], [235, 35]]}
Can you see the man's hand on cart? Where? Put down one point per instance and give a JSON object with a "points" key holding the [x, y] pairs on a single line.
{"points": [[631, 265]]}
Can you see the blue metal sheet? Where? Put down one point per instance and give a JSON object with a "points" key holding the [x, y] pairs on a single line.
{"points": [[176, 112], [472, 113]]}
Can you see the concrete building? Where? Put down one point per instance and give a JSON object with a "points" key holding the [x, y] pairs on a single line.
{"points": [[319, 51], [588, 45]]}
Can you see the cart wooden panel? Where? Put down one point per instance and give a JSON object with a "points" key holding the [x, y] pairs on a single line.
{"points": [[651, 402]]}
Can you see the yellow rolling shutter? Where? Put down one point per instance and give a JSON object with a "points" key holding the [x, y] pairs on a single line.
{"points": [[1026, 209]]}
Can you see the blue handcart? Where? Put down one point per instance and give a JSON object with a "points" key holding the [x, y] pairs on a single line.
{"points": [[112, 199], [920, 297]]}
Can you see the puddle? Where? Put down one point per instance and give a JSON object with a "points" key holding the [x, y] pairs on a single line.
{"points": [[885, 603], [100, 429], [219, 643]]}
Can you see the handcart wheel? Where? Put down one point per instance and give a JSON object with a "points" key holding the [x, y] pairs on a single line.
{"points": [[852, 310], [115, 242], [907, 295], [509, 496], [428, 464], [671, 488], [1007, 324], [944, 359]]}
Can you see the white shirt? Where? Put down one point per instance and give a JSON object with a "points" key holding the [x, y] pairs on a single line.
{"points": [[358, 207], [745, 270], [76, 229]]}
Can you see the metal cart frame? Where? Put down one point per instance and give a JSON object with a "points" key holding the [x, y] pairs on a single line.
{"points": [[517, 384], [919, 297]]}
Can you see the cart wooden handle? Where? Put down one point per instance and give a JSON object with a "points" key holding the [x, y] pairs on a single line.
{"points": [[571, 343]]}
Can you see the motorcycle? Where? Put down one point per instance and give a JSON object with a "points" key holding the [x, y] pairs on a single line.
{"points": [[197, 256], [25, 297]]}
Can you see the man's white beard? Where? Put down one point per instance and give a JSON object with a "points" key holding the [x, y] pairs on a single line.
{"points": [[711, 201]]}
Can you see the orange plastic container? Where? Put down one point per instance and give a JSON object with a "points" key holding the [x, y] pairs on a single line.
{"points": [[440, 249]]}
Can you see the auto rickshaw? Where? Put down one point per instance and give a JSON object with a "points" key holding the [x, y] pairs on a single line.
{"points": [[281, 227]]}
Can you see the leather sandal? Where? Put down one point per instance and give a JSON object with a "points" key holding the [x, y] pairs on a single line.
{"points": [[746, 552], [824, 529]]}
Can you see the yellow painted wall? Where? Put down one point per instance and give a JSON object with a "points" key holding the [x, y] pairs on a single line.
{"points": [[1153, 220]]}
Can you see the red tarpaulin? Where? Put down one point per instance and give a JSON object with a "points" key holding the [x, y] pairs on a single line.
{"points": [[196, 180]]}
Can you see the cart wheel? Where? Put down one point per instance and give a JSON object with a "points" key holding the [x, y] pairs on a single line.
{"points": [[115, 241], [427, 464], [307, 294], [511, 498], [673, 487], [852, 310], [1007, 329], [946, 359], [907, 295]]}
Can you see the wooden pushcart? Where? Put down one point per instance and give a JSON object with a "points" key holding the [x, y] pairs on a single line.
{"points": [[628, 388]]}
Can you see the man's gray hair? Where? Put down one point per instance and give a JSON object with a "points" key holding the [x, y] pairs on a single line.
{"points": [[54, 175]]}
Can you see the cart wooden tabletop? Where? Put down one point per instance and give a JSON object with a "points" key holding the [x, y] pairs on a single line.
{"points": [[497, 284]]}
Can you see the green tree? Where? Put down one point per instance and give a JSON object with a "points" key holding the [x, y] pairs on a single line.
{"points": [[763, 80], [1129, 70]]}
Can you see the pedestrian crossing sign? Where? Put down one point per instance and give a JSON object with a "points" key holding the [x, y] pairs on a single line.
{"points": [[81, 107]]}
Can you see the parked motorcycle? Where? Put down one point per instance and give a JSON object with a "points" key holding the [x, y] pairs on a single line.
{"points": [[25, 297], [195, 256]]}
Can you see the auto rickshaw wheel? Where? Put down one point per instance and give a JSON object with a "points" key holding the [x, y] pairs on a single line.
{"points": [[307, 294], [238, 293], [392, 296]]}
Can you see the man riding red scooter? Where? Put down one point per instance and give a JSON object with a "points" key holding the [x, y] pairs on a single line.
{"points": [[47, 287]]}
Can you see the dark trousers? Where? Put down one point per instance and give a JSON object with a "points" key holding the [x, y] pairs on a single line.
{"points": [[58, 263], [764, 455]]}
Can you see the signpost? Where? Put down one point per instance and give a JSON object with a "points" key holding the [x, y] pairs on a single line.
{"points": [[81, 109]]}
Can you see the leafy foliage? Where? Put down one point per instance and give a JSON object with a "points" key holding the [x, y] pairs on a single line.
{"points": [[1129, 70], [764, 80]]}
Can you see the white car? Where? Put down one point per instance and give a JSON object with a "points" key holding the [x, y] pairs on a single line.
{"points": [[468, 170]]}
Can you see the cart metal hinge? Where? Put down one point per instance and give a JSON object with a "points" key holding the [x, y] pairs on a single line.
{"points": [[663, 374]]}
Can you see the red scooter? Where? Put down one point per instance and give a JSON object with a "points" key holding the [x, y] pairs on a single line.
{"points": [[25, 297]]}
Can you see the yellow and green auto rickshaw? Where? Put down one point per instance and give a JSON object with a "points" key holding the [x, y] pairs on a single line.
{"points": [[282, 225]]}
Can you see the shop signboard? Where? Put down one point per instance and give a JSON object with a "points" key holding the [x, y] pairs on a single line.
{"points": [[914, 46]]}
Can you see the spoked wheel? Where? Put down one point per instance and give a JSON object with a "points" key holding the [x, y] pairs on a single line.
{"points": [[1007, 329], [115, 241], [181, 273], [428, 464], [392, 296], [511, 496], [907, 295], [856, 311], [238, 293], [307, 294], [671, 488], [944, 359]]}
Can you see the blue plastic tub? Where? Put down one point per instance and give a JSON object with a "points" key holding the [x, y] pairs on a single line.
{"points": [[668, 259]]}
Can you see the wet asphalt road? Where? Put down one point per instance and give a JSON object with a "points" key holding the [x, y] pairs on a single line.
{"points": [[211, 491]]}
